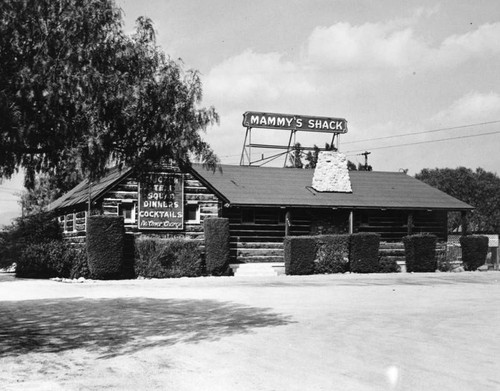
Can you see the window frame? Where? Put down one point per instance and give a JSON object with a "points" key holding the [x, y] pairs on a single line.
{"points": [[189, 205]]}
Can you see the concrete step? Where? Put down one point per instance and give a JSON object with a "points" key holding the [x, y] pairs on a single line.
{"points": [[394, 258], [261, 258], [401, 261], [258, 269], [238, 245], [392, 245], [259, 252], [392, 252]]}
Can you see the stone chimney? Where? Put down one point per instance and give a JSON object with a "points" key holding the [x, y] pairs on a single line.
{"points": [[331, 173]]}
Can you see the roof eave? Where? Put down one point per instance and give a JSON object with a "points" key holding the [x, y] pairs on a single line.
{"points": [[349, 207]]}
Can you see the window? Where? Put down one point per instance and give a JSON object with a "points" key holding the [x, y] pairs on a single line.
{"points": [[192, 213], [247, 216], [69, 222], [127, 210]]}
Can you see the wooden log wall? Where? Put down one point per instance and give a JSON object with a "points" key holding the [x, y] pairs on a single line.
{"points": [[194, 193], [392, 225], [125, 195], [256, 234], [431, 222], [300, 222], [73, 226]]}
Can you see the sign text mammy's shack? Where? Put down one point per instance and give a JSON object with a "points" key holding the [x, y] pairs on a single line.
{"points": [[253, 119]]}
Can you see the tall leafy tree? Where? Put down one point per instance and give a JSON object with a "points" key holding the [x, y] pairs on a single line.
{"points": [[479, 188], [312, 156], [296, 156], [75, 88]]}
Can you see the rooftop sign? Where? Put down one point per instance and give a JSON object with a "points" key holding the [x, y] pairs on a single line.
{"points": [[253, 119]]}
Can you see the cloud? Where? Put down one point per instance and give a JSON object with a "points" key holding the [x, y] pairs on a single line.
{"points": [[394, 46], [480, 43], [472, 107], [344, 57], [359, 72], [251, 76], [367, 46]]}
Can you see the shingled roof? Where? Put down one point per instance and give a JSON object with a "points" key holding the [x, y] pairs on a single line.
{"points": [[80, 194], [290, 187]]}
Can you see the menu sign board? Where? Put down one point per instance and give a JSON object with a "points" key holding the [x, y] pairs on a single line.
{"points": [[252, 119], [161, 205]]}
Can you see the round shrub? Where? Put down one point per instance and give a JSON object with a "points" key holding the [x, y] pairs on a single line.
{"points": [[217, 245], [474, 251], [147, 258], [364, 254], [165, 258], [37, 228], [332, 254], [300, 252], [420, 253], [80, 266], [388, 265], [182, 258], [45, 260], [105, 244]]}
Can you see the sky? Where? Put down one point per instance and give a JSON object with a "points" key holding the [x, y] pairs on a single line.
{"points": [[390, 68]]}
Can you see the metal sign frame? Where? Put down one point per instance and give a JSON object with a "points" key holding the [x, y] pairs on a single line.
{"points": [[289, 122]]}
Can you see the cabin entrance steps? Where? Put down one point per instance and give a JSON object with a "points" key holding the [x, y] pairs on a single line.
{"points": [[258, 269]]}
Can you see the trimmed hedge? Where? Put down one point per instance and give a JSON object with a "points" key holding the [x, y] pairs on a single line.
{"points": [[332, 254], [217, 247], [38, 228], [300, 252], [364, 252], [474, 251], [420, 253], [52, 259], [105, 244], [127, 270], [388, 265], [80, 265], [167, 258]]}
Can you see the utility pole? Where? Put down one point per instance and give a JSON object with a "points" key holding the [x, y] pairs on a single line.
{"points": [[365, 154]]}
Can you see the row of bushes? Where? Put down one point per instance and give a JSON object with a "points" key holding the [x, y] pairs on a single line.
{"points": [[105, 256], [52, 259], [359, 253], [24, 231], [474, 251], [110, 254]]}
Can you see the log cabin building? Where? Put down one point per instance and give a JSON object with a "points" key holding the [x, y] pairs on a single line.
{"points": [[263, 205]]}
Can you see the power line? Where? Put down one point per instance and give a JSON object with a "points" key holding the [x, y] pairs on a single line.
{"points": [[423, 132], [426, 142], [416, 133]]}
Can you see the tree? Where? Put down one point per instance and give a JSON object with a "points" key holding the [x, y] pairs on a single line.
{"points": [[351, 166], [364, 167], [296, 157], [47, 188], [74, 87], [480, 189], [312, 157]]}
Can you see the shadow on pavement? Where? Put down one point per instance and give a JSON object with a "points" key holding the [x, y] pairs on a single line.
{"points": [[114, 327]]}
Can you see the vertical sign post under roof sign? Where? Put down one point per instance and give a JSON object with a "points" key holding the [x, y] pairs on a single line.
{"points": [[291, 122], [161, 202]]}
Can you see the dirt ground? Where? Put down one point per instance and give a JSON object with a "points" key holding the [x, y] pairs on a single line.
{"points": [[339, 332]]}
